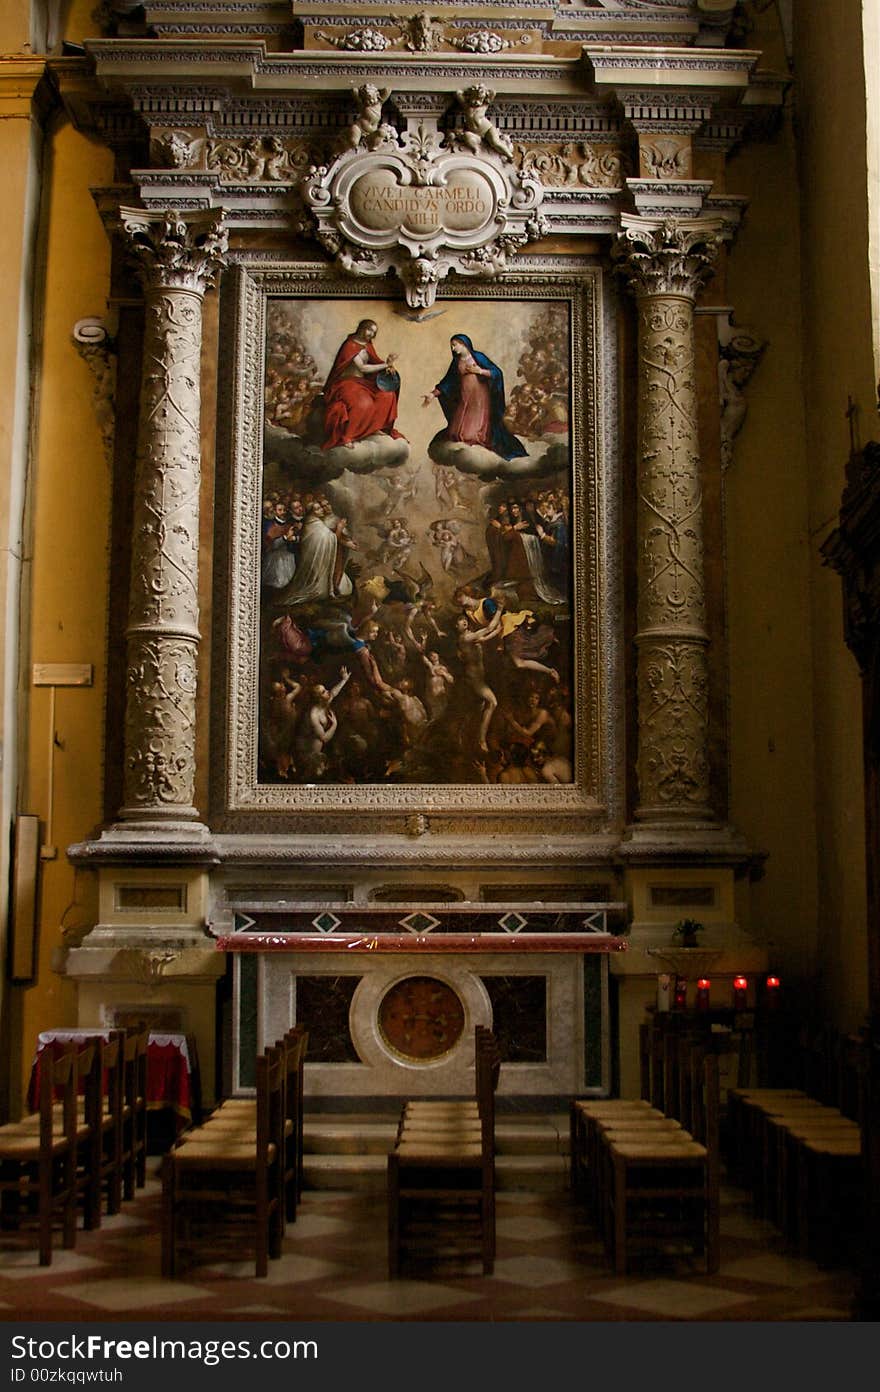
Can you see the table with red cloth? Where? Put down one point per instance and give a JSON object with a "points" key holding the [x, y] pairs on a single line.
{"points": [[172, 1069]]}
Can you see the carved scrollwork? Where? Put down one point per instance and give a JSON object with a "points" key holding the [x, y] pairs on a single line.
{"points": [[160, 722], [260, 159], [574, 163], [670, 532], [673, 721]]}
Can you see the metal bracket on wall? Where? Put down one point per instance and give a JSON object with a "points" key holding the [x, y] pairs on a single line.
{"points": [[53, 675]]}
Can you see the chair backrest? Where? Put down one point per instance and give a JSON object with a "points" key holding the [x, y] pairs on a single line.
{"points": [[59, 1082], [135, 1067], [705, 1095], [113, 1069], [270, 1080], [487, 1065], [89, 1068], [645, 1061], [292, 1047]]}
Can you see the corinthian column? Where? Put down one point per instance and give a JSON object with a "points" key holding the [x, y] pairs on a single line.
{"points": [[665, 265], [179, 260]]}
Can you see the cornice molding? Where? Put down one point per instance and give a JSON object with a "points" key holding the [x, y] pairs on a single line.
{"points": [[250, 67], [704, 69], [20, 84]]}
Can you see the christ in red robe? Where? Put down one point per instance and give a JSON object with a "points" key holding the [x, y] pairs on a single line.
{"points": [[355, 405]]}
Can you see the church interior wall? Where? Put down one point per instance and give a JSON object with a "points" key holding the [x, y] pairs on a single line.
{"points": [[789, 695], [69, 543], [837, 370], [767, 566]]}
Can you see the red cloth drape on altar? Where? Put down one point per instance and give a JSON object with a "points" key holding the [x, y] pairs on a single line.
{"points": [[172, 1068]]}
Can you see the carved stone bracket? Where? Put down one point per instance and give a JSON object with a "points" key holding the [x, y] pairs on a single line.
{"points": [[97, 348], [420, 203], [740, 349]]}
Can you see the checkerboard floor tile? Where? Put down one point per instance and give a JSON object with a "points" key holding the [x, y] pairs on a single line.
{"points": [[550, 1266]]}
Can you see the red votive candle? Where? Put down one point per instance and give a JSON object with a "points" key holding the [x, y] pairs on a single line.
{"points": [[681, 993], [740, 992], [703, 993], [771, 989]]}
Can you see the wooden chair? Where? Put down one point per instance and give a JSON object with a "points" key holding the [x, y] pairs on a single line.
{"points": [[134, 1111], [582, 1112], [229, 1188], [441, 1173], [238, 1115], [107, 1137], [663, 1185], [38, 1163]]}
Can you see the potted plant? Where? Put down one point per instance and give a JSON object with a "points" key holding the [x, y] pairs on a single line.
{"points": [[687, 932]]}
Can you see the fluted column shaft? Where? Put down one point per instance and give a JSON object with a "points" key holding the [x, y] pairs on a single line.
{"points": [[665, 265], [178, 261]]}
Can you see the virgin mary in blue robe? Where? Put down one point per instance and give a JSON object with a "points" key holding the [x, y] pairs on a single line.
{"points": [[471, 395]]}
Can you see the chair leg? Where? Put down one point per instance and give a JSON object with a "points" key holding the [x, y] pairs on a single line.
{"points": [[488, 1231], [46, 1175], [114, 1199], [713, 1226], [169, 1235], [619, 1239], [261, 1223], [128, 1166], [393, 1216]]}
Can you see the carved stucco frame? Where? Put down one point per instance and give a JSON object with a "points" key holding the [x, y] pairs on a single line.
{"points": [[594, 801]]}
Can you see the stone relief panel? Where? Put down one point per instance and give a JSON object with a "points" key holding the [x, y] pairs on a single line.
{"points": [[665, 157]]}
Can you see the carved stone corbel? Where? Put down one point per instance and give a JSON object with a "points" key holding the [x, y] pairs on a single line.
{"points": [[97, 348], [739, 352]]}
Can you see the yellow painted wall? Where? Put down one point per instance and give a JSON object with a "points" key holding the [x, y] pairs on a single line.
{"points": [[838, 363], [69, 546], [15, 27], [798, 276], [768, 571]]}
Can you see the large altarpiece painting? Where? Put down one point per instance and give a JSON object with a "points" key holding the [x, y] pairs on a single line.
{"points": [[417, 518]]}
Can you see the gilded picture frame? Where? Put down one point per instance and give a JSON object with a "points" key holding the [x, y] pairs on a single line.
{"points": [[365, 550]]}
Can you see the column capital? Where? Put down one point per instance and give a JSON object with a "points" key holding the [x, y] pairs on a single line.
{"points": [[175, 252], [668, 257]]}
